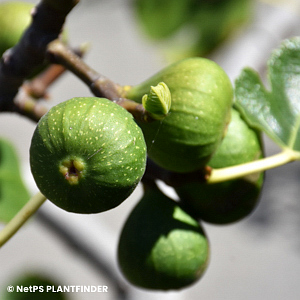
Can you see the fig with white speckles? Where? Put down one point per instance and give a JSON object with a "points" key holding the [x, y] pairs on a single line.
{"points": [[185, 139], [87, 155]]}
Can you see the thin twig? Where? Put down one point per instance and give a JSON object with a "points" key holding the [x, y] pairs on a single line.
{"points": [[38, 86], [28, 106], [100, 85], [21, 217]]}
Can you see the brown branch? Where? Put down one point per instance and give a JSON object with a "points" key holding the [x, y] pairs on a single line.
{"points": [[28, 106], [19, 63], [38, 86], [100, 85], [33, 90]]}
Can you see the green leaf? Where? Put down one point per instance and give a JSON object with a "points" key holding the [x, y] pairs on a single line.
{"points": [[13, 193], [275, 111]]}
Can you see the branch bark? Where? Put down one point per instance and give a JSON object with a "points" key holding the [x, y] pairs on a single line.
{"points": [[18, 63], [100, 85]]}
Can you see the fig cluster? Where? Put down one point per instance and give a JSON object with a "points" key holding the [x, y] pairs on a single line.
{"points": [[88, 154], [163, 245]]}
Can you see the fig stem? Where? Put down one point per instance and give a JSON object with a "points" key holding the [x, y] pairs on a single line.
{"points": [[234, 172], [21, 217]]}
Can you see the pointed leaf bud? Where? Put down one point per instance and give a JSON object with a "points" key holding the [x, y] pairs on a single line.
{"points": [[158, 101]]}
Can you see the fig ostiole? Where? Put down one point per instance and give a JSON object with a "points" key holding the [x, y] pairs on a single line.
{"points": [[185, 139], [233, 200], [87, 155], [161, 247]]}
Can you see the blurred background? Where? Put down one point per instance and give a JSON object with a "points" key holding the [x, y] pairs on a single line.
{"points": [[256, 258]]}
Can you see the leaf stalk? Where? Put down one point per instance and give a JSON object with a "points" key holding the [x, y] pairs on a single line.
{"points": [[21, 217], [234, 172]]}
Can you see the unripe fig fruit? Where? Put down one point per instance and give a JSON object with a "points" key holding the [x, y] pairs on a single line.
{"points": [[229, 201], [201, 103], [14, 19], [161, 247], [87, 155]]}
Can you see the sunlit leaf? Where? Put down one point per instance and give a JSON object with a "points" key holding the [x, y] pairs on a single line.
{"points": [[13, 193], [275, 111]]}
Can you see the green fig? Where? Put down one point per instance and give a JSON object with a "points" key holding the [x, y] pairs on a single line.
{"points": [[87, 155], [14, 19], [161, 247], [186, 138], [229, 201]]}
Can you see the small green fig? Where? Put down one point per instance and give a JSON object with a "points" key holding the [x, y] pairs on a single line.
{"points": [[87, 155], [161, 247], [14, 19], [202, 96], [229, 201]]}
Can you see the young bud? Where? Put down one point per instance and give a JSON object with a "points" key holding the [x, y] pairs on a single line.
{"points": [[158, 101]]}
